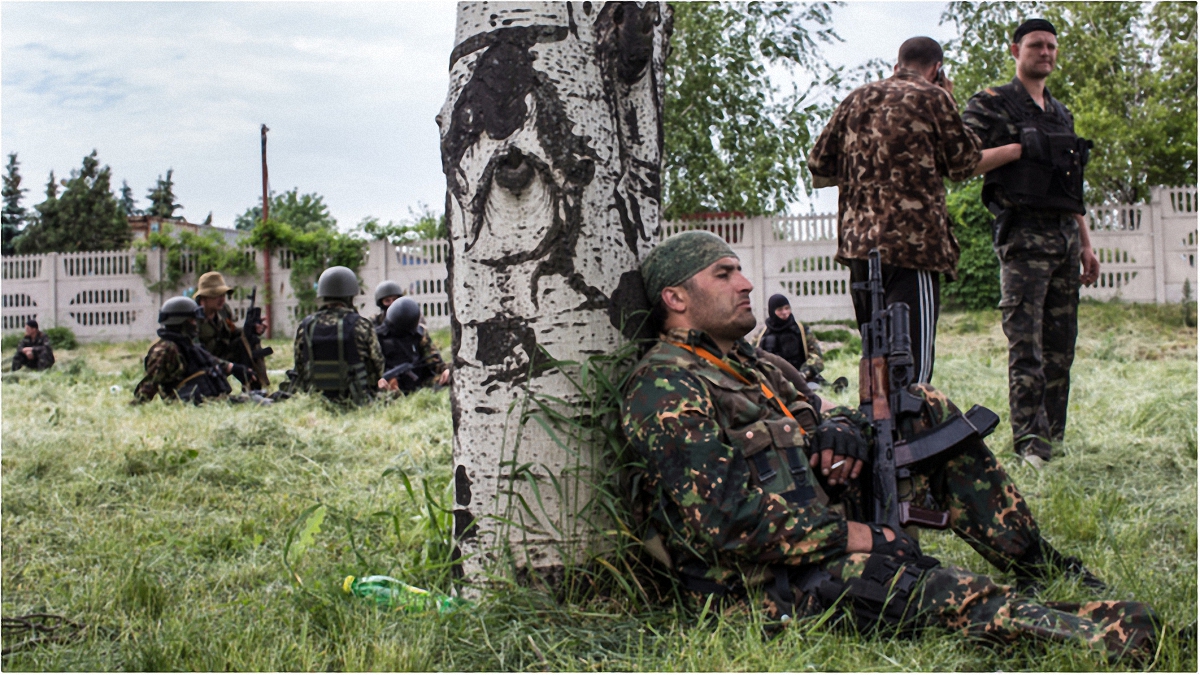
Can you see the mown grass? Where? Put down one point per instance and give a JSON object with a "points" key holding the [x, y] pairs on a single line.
{"points": [[164, 527]]}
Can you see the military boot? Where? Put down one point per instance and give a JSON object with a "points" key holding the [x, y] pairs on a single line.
{"points": [[1041, 561]]}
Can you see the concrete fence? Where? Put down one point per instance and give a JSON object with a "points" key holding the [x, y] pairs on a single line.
{"points": [[1147, 253]]}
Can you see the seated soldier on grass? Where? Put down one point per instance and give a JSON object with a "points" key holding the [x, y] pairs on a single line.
{"points": [[179, 368], [220, 336], [33, 351], [735, 507], [410, 359], [786, 337]]}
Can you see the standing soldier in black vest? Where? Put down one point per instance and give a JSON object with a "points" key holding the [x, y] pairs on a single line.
{"points": [[336, 350], [177, 367], [1040, 235]]}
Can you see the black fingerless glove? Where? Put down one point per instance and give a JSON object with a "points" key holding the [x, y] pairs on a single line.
{"points": [[903, 546], [842, 436]]}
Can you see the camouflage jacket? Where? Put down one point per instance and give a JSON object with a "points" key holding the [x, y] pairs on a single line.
{"points": [[221, 337], [364, 340], [166, 368], [379, 317], [43, 355], [699, 430], [416, 348], [889, 145]]}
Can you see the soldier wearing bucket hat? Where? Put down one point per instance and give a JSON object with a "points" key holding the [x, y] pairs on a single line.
{"points": [[220, 335]]}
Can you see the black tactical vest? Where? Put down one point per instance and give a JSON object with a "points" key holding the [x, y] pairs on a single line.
{"points": [[203, 378], [400, 349], [335, 367], [1049, 174]]}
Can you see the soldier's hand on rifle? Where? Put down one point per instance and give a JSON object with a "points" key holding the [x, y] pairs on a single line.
{"points": [[443, 378], [838, 445], [261, 327]]}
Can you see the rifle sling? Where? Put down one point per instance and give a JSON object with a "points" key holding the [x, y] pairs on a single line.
{"points": [[979, 422], [720, 363]]}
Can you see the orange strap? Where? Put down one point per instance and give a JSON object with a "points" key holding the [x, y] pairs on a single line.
{"points": [[728, 369]]}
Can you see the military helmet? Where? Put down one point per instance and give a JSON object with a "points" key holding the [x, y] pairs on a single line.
{"points": [[386, 289], [337, 282], [177, 310], [403, 315]]}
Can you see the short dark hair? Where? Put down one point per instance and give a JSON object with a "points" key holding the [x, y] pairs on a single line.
{"points": [[920, 51], [32, 323]]}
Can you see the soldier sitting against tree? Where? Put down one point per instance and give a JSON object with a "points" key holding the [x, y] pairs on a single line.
{"points": [[734, 505], [33, 351], [177, 367], [410, 358]]}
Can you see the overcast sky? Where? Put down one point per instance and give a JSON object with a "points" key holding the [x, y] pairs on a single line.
{"points": [[348, 89]]}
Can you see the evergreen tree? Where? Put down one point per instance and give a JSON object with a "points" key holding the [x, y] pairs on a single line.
{"points": [[128, 203], [85, 217], [162, 198], [14, 214]]}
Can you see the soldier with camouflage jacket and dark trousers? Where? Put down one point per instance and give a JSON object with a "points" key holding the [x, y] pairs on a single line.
{"points": [[179, 368], [1040, 235], [33, 351], [337, 352], [750, 485], [888, 148]]}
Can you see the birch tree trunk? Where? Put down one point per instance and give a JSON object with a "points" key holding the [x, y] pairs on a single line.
{"points": [[551, 146]]}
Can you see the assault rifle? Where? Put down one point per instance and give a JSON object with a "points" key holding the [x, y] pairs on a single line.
{"points": [[884, 375], [252, 343]]}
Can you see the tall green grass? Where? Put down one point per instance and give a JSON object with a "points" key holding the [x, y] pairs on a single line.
{"points": [[177, 534]]}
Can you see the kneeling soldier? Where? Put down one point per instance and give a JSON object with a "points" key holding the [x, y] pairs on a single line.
{"points": [[33, 351], [177, 367], [733, 503], [336, 350], [411, 359]]}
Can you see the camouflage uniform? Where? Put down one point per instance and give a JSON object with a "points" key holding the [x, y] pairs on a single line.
{"points": [[222, 337], [1039, 280], [166, 369], [888, 145], [43, 355], [365, 342], [727, 523]]}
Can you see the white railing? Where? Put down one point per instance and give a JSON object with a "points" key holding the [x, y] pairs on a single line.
{"points": [[1147, 253]]}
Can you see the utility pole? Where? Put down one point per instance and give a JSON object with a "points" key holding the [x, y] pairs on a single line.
{"points": [[266, 210]]}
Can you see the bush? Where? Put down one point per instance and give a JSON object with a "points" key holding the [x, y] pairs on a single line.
{"points": [[62, 337], [10, 341], [978, 283]]}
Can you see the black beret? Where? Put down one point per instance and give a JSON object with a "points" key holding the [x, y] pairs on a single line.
{"points": [[1032, 25]]}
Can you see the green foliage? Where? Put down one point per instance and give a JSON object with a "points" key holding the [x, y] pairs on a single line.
{"points": [[61, 337], [161, 196], [304, 213], [127, 202], [733, 140], [312, 251], [86, 217], [13, 217], [1127, 71], [978, 282], [188, 250], [421, 224], [10, 341]]}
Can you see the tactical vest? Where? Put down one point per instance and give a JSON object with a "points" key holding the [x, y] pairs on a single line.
{"points": [[335, 368], [400, 349], [773, 444], [1049, 174], [203, 377]]}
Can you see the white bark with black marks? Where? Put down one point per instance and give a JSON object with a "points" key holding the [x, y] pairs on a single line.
{"points": [[551, 146]]}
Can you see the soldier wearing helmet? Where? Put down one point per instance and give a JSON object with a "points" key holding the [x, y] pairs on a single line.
{"points": [[411, 359], [179, 368], [385, 294], [336, 350]]}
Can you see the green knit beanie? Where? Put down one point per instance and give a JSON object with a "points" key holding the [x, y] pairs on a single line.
{"points": [[678, 258]]}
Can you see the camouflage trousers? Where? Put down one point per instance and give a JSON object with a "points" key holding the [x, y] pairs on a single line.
{"points": [[988, 512], [1039, 283]]}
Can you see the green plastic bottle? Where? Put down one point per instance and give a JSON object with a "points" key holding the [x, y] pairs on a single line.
{"points": [[390, 592]]}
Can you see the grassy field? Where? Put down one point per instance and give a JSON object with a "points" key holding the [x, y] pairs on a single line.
{"points": [[164, 528]]}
